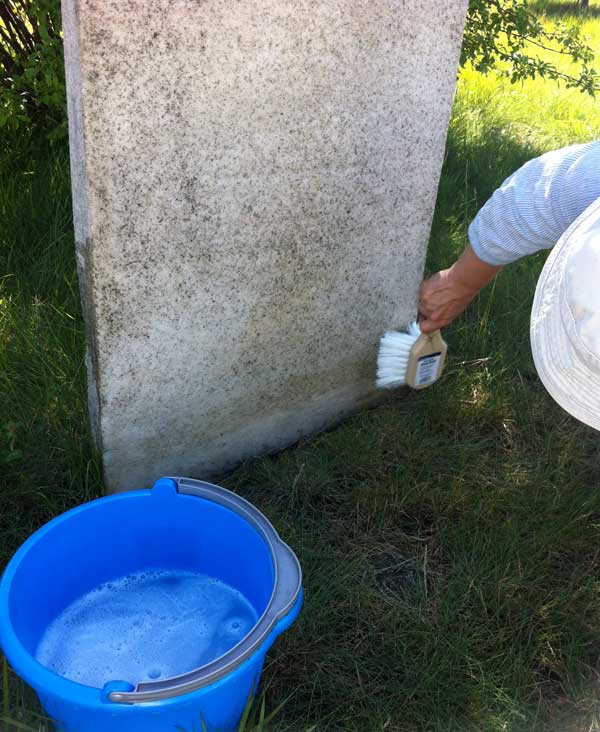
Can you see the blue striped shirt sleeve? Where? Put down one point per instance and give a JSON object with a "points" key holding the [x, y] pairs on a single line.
{"points": [[536, 204]]}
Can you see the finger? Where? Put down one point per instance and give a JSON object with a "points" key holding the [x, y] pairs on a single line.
{"points": [[422, 316], [427, 313], [425, 309], [425, 289], [429, 325]]}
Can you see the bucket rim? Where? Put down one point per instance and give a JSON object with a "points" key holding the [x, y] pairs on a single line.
{"points": [[287, 590]]}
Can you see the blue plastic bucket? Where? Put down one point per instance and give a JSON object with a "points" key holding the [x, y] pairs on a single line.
{"points": [[183, 525]]}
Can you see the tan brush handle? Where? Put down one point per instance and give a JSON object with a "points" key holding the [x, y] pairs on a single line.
{"points": [[426, 360]]}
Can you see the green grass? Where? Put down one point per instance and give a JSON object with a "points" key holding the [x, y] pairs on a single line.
{"points": [[46, 459], [450, 539]]}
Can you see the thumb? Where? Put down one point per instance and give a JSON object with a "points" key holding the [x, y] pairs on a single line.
{"points": [[428, 326]]}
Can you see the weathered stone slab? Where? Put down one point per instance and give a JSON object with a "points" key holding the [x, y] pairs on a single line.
{"points": [[254, 182]]}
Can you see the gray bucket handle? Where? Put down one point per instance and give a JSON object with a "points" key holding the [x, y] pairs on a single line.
{"points": [[286, 590]]}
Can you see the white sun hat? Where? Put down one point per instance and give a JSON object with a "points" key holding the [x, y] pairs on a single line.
{"points": [[565, 319]]}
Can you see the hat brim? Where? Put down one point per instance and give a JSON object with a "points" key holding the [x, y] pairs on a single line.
{"points": [[568, 379]]}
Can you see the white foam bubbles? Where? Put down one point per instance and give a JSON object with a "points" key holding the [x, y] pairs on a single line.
{"points": [[147, 626]]}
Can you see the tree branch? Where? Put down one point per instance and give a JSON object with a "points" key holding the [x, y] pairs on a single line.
{"points": [[540, 45]]}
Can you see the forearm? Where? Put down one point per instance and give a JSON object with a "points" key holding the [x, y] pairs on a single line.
{"points": [[528, 212], [471, 273]]}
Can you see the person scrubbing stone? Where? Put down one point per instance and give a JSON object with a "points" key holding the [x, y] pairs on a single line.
{"points": [[552, 201]]}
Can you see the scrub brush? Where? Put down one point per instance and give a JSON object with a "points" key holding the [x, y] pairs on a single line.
{"points": [[412, 358]]}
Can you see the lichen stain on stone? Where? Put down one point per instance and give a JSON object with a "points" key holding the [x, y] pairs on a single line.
{"points": [[259, 180]]}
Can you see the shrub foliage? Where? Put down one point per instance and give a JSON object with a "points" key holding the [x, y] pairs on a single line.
{"points": [[500, 35]]}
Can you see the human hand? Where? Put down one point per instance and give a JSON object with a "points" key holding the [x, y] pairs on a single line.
{"points": [[443, 297], [446, 294]]}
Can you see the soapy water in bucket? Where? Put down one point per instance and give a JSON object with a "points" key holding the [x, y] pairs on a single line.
{"points": [[147, 626]]}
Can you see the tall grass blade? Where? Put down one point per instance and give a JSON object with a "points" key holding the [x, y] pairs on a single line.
{"points": [[5, 688]]}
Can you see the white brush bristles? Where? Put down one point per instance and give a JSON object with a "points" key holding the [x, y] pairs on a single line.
{"points": [[392, 361]]}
